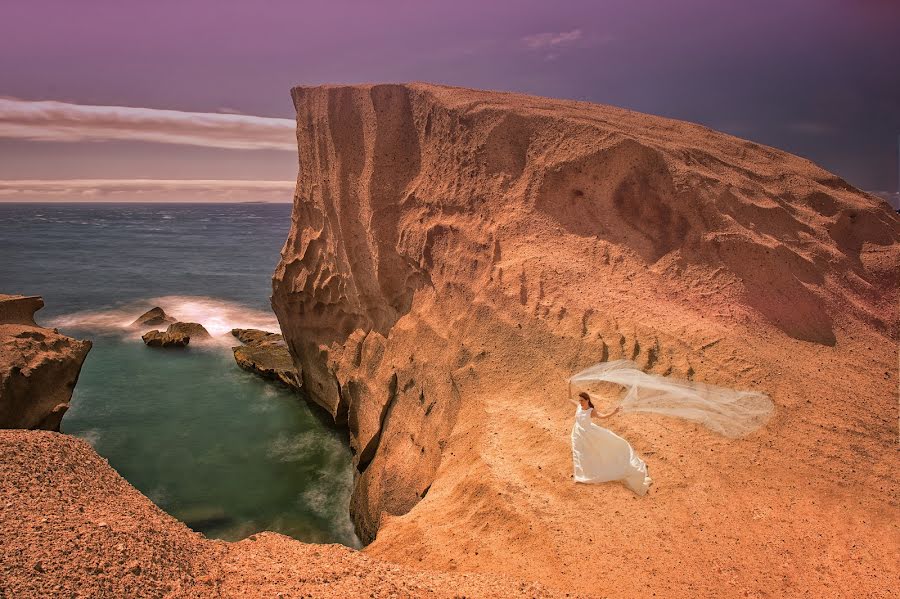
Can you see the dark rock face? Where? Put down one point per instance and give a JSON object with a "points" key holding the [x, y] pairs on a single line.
{"points": [[152, 318], [194, 330], [266, 355], [159, 339], [38, 367]]}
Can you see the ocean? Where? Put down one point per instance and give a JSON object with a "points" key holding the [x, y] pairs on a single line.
{"points": [[222, 450]]}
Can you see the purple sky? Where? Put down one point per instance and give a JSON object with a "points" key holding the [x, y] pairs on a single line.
{"points": [[820, 78]]}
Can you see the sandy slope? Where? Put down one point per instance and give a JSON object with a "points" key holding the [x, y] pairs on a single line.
{"points": [[70, 526], [456, 254]]}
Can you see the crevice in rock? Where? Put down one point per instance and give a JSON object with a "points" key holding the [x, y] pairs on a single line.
{"points": [[368, 453]]}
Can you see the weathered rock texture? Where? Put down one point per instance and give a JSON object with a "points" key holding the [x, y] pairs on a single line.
{"points": [[454, 255], [19, 309], [266, 354], [70, 526], [252, 336], [194, 330], [156, 338], [38, 367]]}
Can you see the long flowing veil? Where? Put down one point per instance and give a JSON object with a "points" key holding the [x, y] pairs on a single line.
{"points": [[726, 411]]}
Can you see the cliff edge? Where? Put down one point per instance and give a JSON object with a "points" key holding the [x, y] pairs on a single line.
{"points": [[456, 254]]}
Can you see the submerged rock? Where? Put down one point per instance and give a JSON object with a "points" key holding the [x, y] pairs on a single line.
{"points": [[160, 339], [38, 367], [153, 317], [194, 330], [266, 354]]}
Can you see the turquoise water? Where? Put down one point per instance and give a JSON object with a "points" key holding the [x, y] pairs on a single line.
{"points": [[215, 446]]}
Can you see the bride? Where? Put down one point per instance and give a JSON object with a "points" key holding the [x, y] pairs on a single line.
{"points": [[600, 455]]}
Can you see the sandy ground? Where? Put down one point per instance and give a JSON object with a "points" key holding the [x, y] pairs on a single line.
{"points": [[70, 526]]}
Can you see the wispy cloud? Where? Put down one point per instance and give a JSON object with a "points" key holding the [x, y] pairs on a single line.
{"points": [[61, 121], [811, 127], [541, 41], [145, 190]]}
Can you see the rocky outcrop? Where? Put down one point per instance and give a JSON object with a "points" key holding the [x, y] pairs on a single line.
{"points": [[38, 367], [253, 336], [153, 318], [454, 255], [156, 338], [194, 330], [19, 309], [266, 354]]}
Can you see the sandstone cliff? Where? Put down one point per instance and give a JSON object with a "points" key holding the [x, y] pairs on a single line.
{"points": [[454, 255], [38, 367]]}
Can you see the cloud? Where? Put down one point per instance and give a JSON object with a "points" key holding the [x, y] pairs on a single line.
{"points": [[60, 121], [145, 190], [811, 128], [542, 41]]}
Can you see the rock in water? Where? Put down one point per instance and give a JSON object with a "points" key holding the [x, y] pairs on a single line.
{"points": [[455, 254], [152, 318], [160, 339], [252, 336], [194, 330], [266, 355], [38, 367]]}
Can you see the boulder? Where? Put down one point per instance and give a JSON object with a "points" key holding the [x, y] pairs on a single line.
{"points": [[194, 330], [38, 367], [165, 339], [153, 317], [266, 354]]}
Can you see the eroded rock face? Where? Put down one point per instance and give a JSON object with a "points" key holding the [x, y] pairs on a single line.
{"points": [[156, 338], [153, 318], [38, 367], [266, 354], [457, 251], [19, 309]]}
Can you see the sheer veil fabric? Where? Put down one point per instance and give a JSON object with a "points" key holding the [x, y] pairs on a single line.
{"points": [[725, 411]]}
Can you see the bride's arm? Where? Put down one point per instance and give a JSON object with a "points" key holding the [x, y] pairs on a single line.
{"points": [[608, 414]]}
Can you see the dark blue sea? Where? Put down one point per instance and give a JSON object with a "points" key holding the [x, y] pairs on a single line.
{"points": [[224, 451]]}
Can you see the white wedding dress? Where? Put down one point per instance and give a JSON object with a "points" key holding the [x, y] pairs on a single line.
{"points": [[600, 456]]}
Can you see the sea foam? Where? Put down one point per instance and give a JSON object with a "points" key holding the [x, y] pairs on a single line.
{"points": [[218, 316]]}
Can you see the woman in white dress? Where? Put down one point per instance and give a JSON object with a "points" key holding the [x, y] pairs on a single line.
{"points": [[599, 455]]}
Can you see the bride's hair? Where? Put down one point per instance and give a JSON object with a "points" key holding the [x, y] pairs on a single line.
{"points": [[587, 398]]}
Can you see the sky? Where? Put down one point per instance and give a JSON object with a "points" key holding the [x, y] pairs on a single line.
{"points": [[189, 99]]}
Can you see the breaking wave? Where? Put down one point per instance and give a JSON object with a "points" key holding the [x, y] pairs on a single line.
{"points": [[218, 316]]}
